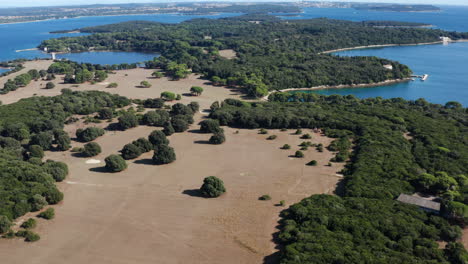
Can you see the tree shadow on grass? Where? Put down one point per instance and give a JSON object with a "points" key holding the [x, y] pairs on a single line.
{"points": [[193, 193], [196, 131], [188, 94], [144, 161]]}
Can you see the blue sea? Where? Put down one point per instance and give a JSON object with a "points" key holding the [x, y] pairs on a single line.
{"points": [[447, 66]]}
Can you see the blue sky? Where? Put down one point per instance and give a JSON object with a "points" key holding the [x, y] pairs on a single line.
{"points": [[18, 3]]}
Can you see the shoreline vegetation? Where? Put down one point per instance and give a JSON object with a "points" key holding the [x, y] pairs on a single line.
{"points": [[341, 86]]}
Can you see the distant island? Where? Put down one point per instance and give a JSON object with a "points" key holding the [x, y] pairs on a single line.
{"points": [[373, 6]]}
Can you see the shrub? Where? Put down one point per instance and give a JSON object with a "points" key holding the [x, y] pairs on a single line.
{"points": [[50, 85], [272, 137], [35, 161], [319, 148], [212, 187], [168, 96], [178, 97], [286, 146], [58, 170], [210, 126], [163, 154], [217, 138], [168, 129], [128, 120], [282, 203], [47, 214], [265, 197], [145, 84], [283, 129], [196, 90], [5, 224], [91, 149], [299, 154], [306, 136], [32, 237], [304, 148], [130, 151], [89, 134], [179, 123], [105, 113], [35, 151], [113, 85], [157, 74], [115, 163], [298, 132], [263, 131], [312, 163], [157, 137], [29, 224], [143, 144]]}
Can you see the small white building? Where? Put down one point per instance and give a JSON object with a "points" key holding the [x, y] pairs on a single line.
{"points": [[388, 66], [445, 39]]}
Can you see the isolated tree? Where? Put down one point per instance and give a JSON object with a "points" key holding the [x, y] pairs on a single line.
{"points": [[128, 120], [157, 137], [168, 96], [210, 126], [286, 146], [168, 129], [212, 187], [163, 154], [50, 85], [112, 85], [312, 163], [217, 138], [130, 151], [299, 154], [145, 84], [196, 90], [89, 134], [115, 163], [178, 97], [105, 113], [91, 149], [36, 151]]}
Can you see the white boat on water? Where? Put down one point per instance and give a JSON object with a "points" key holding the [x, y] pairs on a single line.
{"points": [[424, 77]]}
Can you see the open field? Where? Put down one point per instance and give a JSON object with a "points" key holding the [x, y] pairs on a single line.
{"points": [[128, 81], [152, 214]]}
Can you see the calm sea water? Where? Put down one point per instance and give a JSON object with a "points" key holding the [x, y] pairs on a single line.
{"points": [[446, 65]]}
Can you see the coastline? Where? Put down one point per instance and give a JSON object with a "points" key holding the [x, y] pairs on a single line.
{"points": [[390, 45], [341, 86]]}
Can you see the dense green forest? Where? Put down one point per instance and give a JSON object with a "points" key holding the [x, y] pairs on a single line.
{"points": [[365, 224], [271, 53], [29, 127]]}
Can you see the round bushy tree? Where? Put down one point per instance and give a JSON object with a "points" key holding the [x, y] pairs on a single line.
{"points": [[128, 120], [130, 151], [163, 154], [179, 123], [36, 151], [212, 187], [195, 106], [91, 149], [168, 129], [63, 141], [53, 196], [299, 154], [217, 138], [89, 134], [157, 137], [50, 85], [143, 144], [37, 202], [210, 126], [196, 90], [115, 163], [181, 109], [151, 118]]}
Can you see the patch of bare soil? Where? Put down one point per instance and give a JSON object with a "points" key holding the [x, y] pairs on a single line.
{"points": [[228, 54], [153, 214]]}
